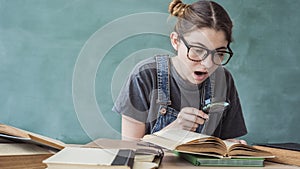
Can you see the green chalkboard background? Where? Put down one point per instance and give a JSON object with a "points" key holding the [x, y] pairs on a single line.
{"points": [[62, 63]]}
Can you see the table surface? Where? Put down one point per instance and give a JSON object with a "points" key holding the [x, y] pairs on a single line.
{"points": [[170, 161]]}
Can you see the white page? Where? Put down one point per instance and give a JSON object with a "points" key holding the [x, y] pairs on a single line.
{"points": [[180, 136], [87, 156], [9, 149]]}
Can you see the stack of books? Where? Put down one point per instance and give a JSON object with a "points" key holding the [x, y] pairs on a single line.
{"points": [[22, 155], [146, 156], [98, 158], [22, 136], [24, 149]]}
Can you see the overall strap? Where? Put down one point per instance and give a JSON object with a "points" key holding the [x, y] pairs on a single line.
{"points": [[205, 98], [207, 91], [163, 79]]}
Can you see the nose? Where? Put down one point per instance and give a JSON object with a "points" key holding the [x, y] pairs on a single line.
{"points": [[207, 61], [207, 55]]}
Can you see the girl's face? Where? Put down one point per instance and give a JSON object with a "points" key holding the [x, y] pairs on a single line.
{"points": [[197, 72]]}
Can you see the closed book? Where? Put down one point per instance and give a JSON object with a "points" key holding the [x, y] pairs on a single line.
{"points": [[20, 155], [146, 155], [199, 160], [91, 158]]}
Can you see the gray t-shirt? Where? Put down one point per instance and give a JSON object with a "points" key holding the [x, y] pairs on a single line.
{"points": [[138, 98]]}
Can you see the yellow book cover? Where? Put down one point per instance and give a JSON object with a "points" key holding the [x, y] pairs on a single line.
{"points": [[18, 135]]}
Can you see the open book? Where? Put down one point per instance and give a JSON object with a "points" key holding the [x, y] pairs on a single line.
{"points": [[19, 135], [196, 143]]}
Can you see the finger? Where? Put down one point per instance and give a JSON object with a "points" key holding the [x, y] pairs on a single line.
{"points": [[191, 127], [243, 142], [200, 120], [192, 118], [202, 114], [194, 111], [193, 114], [184, 121], [195, 126]]}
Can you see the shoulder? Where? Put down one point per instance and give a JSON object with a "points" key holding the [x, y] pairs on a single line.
{"points": [[147, 65], [144, 74], [224, 73], [229, 77], [227, 73]]}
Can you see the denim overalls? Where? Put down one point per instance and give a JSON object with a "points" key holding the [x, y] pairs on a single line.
{"points": [[167, 114]]}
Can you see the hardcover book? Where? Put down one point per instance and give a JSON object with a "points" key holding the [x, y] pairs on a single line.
{"points": [[199, 160], [146, 155], [196, 143], [20, 155], [18, 135], [91, 158]]}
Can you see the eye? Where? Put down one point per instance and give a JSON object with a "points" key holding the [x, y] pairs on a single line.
{"points": [[220, 54], [199, 51]]}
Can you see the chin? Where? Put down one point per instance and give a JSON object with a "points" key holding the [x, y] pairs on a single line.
{"points": [[197, 82]]}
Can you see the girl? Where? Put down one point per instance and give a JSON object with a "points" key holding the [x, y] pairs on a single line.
{"points": [[172, 92]]}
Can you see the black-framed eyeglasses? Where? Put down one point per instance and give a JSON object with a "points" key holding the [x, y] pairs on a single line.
{"points": [[219, 57]]}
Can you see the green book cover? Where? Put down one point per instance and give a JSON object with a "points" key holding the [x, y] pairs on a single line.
{"points": [[198, 160]]}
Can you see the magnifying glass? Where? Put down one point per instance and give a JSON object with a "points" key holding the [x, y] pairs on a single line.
{"points": [[215, 107], [215, 111]]}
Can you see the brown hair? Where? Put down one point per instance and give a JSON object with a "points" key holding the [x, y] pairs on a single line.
{"points": [[201, 14]]}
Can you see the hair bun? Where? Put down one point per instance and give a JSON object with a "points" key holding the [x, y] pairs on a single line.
{"points": [[177, 8]]}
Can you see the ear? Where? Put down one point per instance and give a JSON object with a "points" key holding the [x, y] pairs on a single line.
{"points": [[174, 40]]}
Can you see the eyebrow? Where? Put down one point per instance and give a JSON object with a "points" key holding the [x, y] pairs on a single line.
{"points": [[198, 43]]}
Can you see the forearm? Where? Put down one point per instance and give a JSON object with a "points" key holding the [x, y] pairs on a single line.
{"points": [[132, 129]]}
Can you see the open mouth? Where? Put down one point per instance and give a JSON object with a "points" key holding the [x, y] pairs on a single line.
{"points": [[199, 73]]}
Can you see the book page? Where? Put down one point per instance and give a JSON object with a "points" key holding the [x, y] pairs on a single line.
{"points": [[11, 149], [144, 165], [180, 136], [246, 151], [187, 141], [229, 144], [160, 141], [11, 137], [83, 156]]}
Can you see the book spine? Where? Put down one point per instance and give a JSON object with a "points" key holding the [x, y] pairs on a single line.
{"points": [[124, 157], [190, 159], [207, 161]]}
